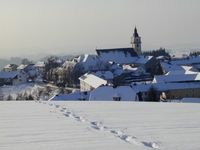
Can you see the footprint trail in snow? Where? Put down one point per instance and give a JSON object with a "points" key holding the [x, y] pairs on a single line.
{"points": [[101, 127]]}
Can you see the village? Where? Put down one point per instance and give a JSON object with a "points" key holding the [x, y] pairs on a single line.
{"points": [[117, 74]]}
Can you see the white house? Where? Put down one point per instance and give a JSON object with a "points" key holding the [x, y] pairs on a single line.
{"points": [[107, 93], [90, 82]]}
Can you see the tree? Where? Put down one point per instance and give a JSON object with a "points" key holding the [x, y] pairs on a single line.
{"points": [[50, 65], [9, 97], [152, 95]]}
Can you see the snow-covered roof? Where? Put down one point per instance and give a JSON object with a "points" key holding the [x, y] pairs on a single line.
{"points": [[21, 67], [8, 66], [122, 56], [176, 69], [126, 93], [99, 126], [90, 62], [93, 80], [176, 78], [8, 75], [176, 86], [40, 64]]}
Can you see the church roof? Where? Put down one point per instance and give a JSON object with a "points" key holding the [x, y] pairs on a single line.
{"points": [[117, 55]]}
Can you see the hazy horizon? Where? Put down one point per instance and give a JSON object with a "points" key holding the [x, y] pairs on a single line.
{"points": [[34, 27]]}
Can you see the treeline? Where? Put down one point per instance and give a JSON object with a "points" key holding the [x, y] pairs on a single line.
{"points": [[195, 53], [157, 53]]}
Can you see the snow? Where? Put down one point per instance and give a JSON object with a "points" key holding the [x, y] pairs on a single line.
{"points": [[122, 56], [117, 56], [22, 67], [99, 126], [107, 93], [93, 80]]}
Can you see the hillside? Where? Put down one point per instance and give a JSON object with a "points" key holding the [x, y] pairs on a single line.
{"points": [[99, 125]]}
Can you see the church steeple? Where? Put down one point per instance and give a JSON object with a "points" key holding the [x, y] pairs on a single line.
{"points": [[136, 42], [136, 33]]}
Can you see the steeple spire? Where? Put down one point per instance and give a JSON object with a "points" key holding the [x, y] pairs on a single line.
{"points": [[136, 33]]}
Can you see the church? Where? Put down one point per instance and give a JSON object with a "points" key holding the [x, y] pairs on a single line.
{"points": [[123, 55]]}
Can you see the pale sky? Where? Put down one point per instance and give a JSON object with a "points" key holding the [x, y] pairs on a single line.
{"points": [[30, 27]]}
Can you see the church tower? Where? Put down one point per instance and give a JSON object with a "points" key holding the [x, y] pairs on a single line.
{"points": [[136, 42]]}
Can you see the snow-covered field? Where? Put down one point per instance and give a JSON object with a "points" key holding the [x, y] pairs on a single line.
{"points": [[99, 126]]}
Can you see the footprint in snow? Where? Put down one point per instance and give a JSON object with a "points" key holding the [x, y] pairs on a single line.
{"points": [[153, 145], [68, 114], [98, 126], [79, 118], [116, 132]]}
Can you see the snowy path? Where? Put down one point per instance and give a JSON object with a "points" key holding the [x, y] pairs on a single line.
{"points": [[99, 125]]}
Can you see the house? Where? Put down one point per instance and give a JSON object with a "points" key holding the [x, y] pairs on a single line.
{"points": [[12, 78], [40, 66], [108, 93], [10, 67], [30, 70], [90, 82]]}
